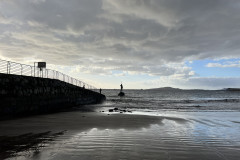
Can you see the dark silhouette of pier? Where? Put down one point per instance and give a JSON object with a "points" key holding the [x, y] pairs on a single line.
{"points": [[27, 90]]}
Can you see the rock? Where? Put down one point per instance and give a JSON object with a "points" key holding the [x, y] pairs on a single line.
{"points": [[121, 94], [110, 110], [197, 106], [115, 109]]}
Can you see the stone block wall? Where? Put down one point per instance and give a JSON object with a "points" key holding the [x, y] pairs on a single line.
{"points": [[23, 95]]}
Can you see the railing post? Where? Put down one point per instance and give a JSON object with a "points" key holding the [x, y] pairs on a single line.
{"points": [[7, 67], [21, 69], [34, 69]]}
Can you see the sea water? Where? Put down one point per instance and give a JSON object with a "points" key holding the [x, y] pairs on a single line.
{"points": [[175, 100]]}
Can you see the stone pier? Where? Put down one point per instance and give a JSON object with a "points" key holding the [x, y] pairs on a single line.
{"points": [[24, 95]]}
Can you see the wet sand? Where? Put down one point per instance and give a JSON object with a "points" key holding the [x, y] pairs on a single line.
{"points": [[94, 135], [76, 122]]}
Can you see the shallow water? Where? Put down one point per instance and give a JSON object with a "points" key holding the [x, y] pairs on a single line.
{"points": [[166, 132]]}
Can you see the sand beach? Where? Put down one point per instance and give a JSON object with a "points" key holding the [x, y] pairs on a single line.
{"points": [[97, 135]]}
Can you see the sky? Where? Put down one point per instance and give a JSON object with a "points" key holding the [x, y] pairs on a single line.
{"points": [[189, 44]]}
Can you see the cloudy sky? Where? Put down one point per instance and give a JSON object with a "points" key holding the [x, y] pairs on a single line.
{"points": [[142, 43]]}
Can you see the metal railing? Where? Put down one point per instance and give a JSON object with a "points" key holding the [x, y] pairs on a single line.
{"points": [[9, 67]]}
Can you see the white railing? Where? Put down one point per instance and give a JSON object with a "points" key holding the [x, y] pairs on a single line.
{"points": [[9, 67]]}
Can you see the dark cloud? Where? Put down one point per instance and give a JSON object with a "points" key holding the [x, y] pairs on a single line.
{"points": [[129, 35]]}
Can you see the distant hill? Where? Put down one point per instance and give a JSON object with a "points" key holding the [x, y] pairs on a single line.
{"points": [[178, 89], [232, 89], [165, 89], [174, 89]]}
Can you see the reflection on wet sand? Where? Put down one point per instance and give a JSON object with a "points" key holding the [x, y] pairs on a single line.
{"points": [[77, 121], [10, 146], [92, 135]]}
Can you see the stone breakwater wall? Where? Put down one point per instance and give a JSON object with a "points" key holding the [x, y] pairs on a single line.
{"points": [[23, 95]]}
